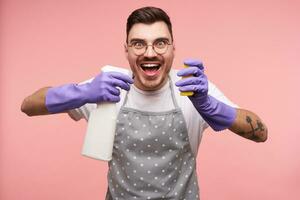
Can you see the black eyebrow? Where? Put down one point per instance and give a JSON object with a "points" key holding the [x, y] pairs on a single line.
{"points": [[161, 38], [141, 40], [137, 40]]}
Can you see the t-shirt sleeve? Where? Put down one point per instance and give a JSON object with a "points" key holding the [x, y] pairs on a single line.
{"points": [[75, 114], [82, 112]]}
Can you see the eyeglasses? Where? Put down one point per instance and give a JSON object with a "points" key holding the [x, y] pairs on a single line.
{"points": [[139, 47]]}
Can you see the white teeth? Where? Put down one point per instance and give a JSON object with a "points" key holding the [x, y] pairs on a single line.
{"points": [[150, 65]]}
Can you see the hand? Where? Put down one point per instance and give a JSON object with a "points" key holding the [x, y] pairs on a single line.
{"points": [[103, 87], [217, 114], [197, 83]]}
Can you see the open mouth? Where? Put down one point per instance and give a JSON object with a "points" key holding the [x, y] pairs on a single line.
{"points": [[150, 68]]}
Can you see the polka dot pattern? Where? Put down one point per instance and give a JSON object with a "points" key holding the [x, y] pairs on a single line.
{"points": [[152, 157]]}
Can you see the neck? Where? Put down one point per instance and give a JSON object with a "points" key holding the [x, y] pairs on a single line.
{"points": [[140, 86]]}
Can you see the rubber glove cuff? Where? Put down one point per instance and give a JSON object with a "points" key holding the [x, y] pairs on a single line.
{"points": [[65, 97], [217, 114]]}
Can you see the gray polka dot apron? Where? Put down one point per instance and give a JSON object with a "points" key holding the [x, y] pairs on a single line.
{"points": [[152, 157]]}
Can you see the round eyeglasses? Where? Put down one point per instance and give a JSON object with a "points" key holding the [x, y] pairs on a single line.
{"points": [[139, 47]]}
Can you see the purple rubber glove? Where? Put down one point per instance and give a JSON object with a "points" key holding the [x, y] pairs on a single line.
{"points": [[101, 89], [217, 114]]}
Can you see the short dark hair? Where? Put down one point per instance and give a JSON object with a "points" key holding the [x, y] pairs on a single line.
{"points": [[148, 15]]}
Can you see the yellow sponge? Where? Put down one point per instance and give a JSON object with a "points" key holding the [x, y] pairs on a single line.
{"points": [[186, 93]]}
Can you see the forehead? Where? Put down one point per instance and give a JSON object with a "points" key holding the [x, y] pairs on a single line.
{"points": [[149, 32]]}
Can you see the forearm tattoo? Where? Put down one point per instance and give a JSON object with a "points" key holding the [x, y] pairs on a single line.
{"points": [[254, 133]]}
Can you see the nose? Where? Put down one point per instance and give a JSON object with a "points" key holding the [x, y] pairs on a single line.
{"points": [[150, 53]]}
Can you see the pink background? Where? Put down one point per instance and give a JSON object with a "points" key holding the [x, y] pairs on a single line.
{"points": [[251, 52]]}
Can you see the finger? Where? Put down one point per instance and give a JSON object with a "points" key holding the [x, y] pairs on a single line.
{"points": [[194, 62], [111, 98], [122, 77], [120, 83], [189, 71], [114, 98], [114, 91], [192, 88], [188, 81]]}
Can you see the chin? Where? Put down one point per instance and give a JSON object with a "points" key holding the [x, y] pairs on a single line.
{"points": [[150, 85]]}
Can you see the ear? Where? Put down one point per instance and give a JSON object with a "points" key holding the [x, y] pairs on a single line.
{"points": [[174, 48], [126, 50]]}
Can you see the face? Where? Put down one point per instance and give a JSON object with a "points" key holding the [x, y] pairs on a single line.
{"points": [[150, 69]]}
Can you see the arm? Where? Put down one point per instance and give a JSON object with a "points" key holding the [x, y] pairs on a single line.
{"points": [[102, 88], [217, 114], [248, 125], [35, 103]]}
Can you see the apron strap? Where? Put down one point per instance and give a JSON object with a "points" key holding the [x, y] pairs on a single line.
{"points": [[173, 93]]}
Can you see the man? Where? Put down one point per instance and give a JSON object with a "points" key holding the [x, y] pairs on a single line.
{"points": [[158, 131]]}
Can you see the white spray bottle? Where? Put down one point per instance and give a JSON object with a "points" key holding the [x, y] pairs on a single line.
{"points": [[99, 138]]}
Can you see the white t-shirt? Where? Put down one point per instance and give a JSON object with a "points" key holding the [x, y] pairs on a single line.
{"points": [[159, 100]]}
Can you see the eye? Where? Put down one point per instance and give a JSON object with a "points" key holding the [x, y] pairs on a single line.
{"points": [[161, 44], [138, 44]]}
